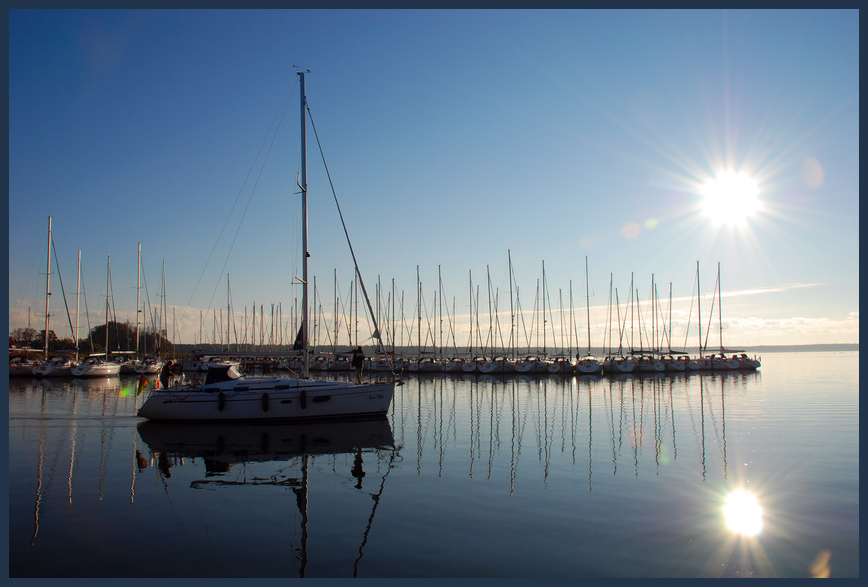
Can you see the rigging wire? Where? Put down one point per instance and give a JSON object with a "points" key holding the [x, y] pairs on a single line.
{"points": [[277, 120], [376, 333], [63, 293]]}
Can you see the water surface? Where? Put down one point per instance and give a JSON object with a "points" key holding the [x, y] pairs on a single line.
{"points": [[467, 477]]}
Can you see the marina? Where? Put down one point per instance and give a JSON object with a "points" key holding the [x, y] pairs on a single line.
{"points": [[517, 367], [466, 476]]}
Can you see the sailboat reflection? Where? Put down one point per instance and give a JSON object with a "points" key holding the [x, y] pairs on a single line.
{"points": [[222, 445]]}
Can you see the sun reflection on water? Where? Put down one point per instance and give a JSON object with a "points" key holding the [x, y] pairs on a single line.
{"points": [[743, 513]]}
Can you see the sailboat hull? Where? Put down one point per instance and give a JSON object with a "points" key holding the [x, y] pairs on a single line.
{"points": [[270, 399]]}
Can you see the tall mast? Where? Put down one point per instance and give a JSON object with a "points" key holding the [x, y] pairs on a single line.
{"points": [[699, 309], [511, 309], [228, 313], [440, 290], [305, 254], [470, 286], [632, 346], [164, 319], [335, 347], [107, 280], [544, 306], [138, 290], [47, 290], [490, 316], [669, 338], [419, 311], [653, 316], [77, 298], [573, 326], [719, 310], [588, 303]]}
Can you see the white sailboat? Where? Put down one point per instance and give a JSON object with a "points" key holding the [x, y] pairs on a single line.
{"points": [[149, 366], [226, 395], [96, 366], [589, 364], [616, 364], [58, 366], [99, 365], [719, 361]]}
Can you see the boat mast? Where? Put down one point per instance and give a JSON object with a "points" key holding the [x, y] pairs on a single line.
{"points": [[440, 288], [138, 292], [419, 312], [632, 345], [511, 309], [719, 308], [228, 311], [699, 309], [47, 291], [335, 346], [77, 299], [588, 303], [164, 311], [107, 280], [470, 287], [544, 307], [305, 254], [654, 343]]}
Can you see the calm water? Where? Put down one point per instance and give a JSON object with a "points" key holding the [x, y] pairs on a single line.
{"points": [[468, 477]]}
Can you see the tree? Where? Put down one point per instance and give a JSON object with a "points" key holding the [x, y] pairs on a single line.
{"points": [[39, 340], [24, 337], [122, 337]]}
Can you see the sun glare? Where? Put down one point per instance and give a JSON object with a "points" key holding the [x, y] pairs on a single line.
{"points": [[743, 514], [730, 198]]}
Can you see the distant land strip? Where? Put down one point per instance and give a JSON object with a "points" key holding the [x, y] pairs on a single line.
{"points": [[806, 348]]}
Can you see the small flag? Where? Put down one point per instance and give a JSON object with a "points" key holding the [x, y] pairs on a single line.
{"points": [[143, 383]]}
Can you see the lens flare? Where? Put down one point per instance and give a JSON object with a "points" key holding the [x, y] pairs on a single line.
{"points": [[743, 514]]}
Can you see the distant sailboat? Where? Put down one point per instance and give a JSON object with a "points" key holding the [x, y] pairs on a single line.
{"points": [[589, 364], [98, 364]]}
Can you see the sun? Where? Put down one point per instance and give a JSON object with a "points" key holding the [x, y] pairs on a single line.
{"points": [[730, 198]]}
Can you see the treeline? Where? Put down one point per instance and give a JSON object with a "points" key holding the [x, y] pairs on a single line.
{"points": [[121, 337]]}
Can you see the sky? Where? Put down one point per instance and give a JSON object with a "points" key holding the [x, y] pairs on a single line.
{"points": [[462, 146]]}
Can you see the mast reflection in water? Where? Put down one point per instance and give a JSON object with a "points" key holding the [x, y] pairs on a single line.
{"points": [[473, 476], [254, 449]]}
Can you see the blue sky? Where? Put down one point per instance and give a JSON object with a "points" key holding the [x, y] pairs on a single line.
{"points": [[452, 137]]}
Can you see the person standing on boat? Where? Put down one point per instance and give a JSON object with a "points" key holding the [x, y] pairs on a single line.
{"points": [[165, 373], [358, 362]]}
